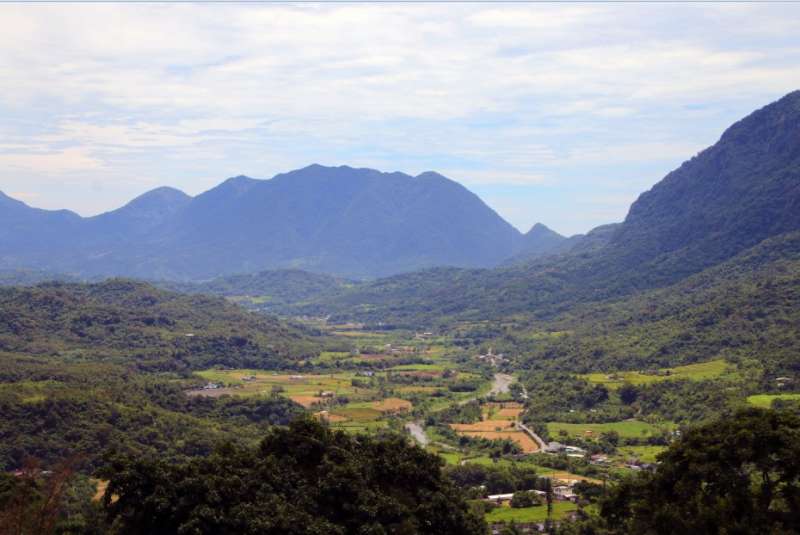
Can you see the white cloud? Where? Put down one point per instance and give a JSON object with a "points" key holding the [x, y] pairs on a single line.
{"points": [[500, 94], [57, 162]]}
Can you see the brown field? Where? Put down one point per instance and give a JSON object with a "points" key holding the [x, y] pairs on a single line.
{"points": [[483, 426], [512, 414], [392, 405], [566, 476], [525, 442], [332, 418], [305, 401]]}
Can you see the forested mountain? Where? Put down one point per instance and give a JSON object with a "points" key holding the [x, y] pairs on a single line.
{"points": [[740, 191], [338, 220], [744, 308], [725, 200], [131, 323], [540, 241], [105, 365], [267, 289]]}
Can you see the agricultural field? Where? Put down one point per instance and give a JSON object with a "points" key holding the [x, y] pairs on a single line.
{"points": [[695, 372], [509, 410], [765, 400], [625, 429], [498, 423], [646, 454], [381, 380], [530, 514]]}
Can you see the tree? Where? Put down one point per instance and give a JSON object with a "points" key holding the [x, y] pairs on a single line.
{"points": [[628, 393], [304, 479], [31, 503], [548, 495], [524, 498], [730, 476]]}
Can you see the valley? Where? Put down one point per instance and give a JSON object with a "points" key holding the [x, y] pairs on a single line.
{"points": [[508, 379], [472, 412]]}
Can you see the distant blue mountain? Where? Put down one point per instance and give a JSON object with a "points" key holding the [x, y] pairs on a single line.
{"points": [[350, 222]]}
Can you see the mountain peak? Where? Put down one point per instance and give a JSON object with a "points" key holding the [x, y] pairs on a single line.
{"points": [[431, 175], [163, 194], [732, 195], [540, 229]]}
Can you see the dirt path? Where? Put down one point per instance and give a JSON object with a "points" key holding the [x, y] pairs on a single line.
{"points": [[502, 381], [416, 430]]}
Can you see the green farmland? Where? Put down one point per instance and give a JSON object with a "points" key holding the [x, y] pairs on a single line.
{"points": [[695, 372], [530, 514], [765, 400], [626, 429]]}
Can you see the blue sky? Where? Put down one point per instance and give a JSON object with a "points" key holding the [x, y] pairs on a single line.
{"points": [[553, 113]]}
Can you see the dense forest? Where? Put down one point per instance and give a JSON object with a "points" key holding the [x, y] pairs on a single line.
{"points": [[135, 324]]}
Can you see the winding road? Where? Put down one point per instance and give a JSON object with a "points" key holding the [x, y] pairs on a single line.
{"points": [[500, 385]]}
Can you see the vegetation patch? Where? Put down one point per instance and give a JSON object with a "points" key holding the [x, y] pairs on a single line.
{"points": [[537, 513], [625, 429], [765, 400], [526, 443], [696, 372]]}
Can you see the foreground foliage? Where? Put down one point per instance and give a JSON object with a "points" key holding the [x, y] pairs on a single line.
{"points": [[304, 479], [735, 475]]}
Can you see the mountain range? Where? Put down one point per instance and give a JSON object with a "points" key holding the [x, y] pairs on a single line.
{"points": [[717, 206], [358, 223]]}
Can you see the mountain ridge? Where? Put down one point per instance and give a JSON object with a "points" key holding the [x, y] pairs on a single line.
{"points": [[357, 223]]}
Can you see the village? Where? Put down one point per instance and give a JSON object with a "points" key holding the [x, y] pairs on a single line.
{"points": [[410, 383]]}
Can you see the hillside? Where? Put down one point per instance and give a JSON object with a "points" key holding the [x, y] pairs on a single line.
{"points": [[338, 220], [730, 197], [134, 324], [744, 308], [266, 290]]}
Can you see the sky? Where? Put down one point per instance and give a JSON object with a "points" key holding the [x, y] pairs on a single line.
{"points": [[554, 113]]}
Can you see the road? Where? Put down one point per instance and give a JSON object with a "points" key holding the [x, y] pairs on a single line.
{"points": [[500, 385], [417, 431], [541, 443]]}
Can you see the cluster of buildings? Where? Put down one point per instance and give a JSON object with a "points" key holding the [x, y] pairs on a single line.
{"points": [[491, 358]]}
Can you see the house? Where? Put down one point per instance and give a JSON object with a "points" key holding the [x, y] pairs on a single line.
{"points": [[503, 498], [554, 447], [500, 498], [212, 386], [598, 458], [564, 492], [783, 381]]}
